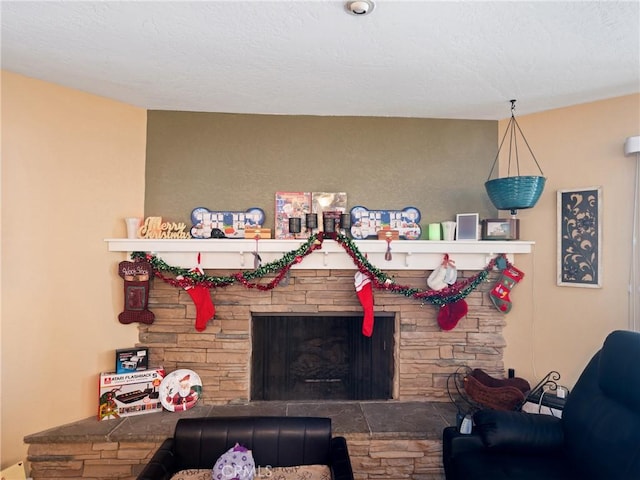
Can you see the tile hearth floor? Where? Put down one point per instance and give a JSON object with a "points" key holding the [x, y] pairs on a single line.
{"points": [[377, 419]]}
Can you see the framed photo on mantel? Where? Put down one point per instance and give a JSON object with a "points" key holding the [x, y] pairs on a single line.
{"points": [[467, 226], [500, 229]]}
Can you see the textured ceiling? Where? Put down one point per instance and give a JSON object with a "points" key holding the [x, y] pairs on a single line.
{"points": [[429, 59]]}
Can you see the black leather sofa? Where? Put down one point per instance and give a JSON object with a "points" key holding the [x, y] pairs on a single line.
{"points": [[598, 436], [275, 441]]}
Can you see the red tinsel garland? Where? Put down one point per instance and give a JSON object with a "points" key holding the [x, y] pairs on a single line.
{"points": [[185, 278]]}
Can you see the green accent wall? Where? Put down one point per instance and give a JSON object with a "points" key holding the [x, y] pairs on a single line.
{"points": [[234, 162]]}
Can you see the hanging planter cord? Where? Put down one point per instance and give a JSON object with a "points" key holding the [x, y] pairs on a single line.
{"points": [[518, 191], [513, 144]]}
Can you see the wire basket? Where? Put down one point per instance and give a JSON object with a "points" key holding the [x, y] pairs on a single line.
{"points": [[499, 394], [515, 193]]}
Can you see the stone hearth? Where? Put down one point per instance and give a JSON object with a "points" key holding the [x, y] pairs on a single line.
{"points": [[386, 440]]}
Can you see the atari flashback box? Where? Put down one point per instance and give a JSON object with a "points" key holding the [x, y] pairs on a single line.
{"points": [[128, 394]]}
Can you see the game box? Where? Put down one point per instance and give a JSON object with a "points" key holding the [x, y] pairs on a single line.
{"points": [[290, 205], [128, 394], [132, 359]]}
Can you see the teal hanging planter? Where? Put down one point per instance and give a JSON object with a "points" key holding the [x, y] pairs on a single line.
{"points": [[515, 192]]}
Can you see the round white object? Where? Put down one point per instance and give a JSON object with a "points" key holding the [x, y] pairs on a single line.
{"points": [[180, 390]]}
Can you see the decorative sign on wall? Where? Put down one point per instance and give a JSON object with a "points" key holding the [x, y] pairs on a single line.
{"points": [[155, 228], [579, 237], [367, 223], [232, 224]]}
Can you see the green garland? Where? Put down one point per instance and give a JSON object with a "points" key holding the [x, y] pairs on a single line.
{"points": [[183, 277]]}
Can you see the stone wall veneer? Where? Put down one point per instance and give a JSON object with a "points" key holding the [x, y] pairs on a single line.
{"points": [[424, 355]]}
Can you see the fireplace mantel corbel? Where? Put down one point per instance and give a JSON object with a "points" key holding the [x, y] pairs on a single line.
{"points": [[237, 254]]}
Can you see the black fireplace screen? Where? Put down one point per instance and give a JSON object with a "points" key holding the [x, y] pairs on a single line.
{"points": [[321, 358]]}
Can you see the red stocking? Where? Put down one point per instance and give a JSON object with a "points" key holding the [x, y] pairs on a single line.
{"points": [[365, 295], [205, 309], [450, 314]]}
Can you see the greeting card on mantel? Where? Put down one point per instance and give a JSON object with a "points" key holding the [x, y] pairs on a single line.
{"points": [[290, 205], [328, 202]]}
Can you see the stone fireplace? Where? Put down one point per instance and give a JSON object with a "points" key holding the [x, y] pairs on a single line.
{"points": [[408, 358], [226, 355]]}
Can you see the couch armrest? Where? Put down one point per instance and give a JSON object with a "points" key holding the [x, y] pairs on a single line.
{"points": [[162, 464], [340, 461], [455, 443], [519, 431]]}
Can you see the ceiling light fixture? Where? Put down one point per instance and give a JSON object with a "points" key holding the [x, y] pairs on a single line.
{"points": [[360, 7]]}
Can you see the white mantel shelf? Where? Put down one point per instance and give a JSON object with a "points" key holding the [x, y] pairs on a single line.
{"points": [[406, 254]]}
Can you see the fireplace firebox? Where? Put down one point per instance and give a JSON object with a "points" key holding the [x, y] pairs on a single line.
{"points": [[321, 358]]}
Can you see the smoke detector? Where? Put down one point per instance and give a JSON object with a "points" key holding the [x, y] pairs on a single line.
{"points": [[360, 7]]}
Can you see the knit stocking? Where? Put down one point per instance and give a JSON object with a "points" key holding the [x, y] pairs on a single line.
{"points": [[499, 295], [136, 277], [364, 291]]}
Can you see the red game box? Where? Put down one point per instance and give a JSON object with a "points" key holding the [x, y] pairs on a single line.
{"points": [[128, 394]]}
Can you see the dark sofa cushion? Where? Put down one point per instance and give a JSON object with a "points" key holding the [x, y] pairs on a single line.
{"points": [[275, 441], [494, 465], [620, 355], [519, 431]]}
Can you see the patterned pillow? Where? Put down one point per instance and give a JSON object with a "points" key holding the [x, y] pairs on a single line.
{"points": [[235, 464], [300, 472], [303, 472], [192, 474]]}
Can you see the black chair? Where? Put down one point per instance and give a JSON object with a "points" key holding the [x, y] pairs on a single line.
{"points": [[275, 442], [598, 436]]}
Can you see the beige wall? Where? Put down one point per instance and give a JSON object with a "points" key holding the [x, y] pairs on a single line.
{"points": [[559, 328], [72, 169]]}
